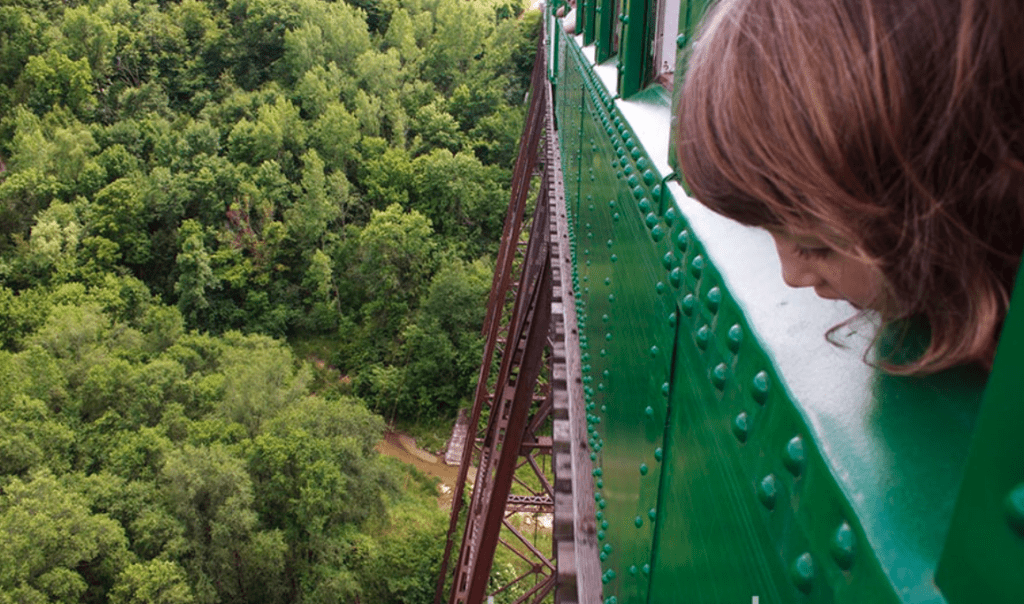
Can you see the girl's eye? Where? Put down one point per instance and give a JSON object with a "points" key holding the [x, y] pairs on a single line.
{"points": [[813, 252]]}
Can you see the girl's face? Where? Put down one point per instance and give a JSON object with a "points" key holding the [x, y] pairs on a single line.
{"points": [[808, 261]]}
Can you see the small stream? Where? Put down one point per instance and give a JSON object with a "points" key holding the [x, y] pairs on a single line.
{"points": [[403, 448]]}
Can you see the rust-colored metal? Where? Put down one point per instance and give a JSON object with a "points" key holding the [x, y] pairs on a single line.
{"points": [[512, 350], [526, 339]]}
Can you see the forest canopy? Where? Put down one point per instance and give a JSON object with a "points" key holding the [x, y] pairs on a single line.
{"points": [[234, 234]]}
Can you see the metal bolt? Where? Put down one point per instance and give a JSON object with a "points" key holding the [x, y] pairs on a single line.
{"points": [[714, 299], [668, 260], [718, 375], [802, 572], [675, 277], [735, 336], [740, 427], [793, 457], [767, 491], [658, 454], [697, 265], [1014, 506], [842, 544], [703, 337], [682, 240], [761, 386]]}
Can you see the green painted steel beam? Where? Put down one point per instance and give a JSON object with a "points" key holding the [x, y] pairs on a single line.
{"points": [[983, 559], [714, 482], [633, 47]]}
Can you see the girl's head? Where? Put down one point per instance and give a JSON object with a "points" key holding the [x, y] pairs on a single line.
{"points": [[880, 142]]}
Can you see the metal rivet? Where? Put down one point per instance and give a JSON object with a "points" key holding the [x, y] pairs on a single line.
{"points": [[643, 469], [609, 243], [642, 163], [675, 277], [664, 389], [611, 204], [761, 386], [593, 457], [607, 280], [591, 207], [697, 265], [597, 472], [658, 454], [740, 427], [601, 504], [614, 258], [672, 318], [680, 40], [608, 336], [651, 219], [689, 301], [638, 192], [645, 205], [842, 544], [793, 457], [646, 569], [600, 534], [682, 240], [607, 548], [714, 299], [611, 297], [615, 216], [657, 233], [649, 177], [652, 514], [604, 352], [703, 337], [767, 491], [638, 521], [605, 318], [668, 260], [633, 179], [1014, 505], [649, 411], [670, 214], [735, 337], [654, 351], [604, 557], [802, 572], [606, 373], [718, 375], [659, 287], [599, 515], [635, 153]]}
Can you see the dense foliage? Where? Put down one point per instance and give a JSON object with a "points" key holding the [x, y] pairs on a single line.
{"points": [[185, 184]]}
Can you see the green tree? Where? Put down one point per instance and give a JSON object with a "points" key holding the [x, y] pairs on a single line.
{"points": [[195, 277], [396, 260], [152, 582], [54, 548], [229, 557], [54, 79]]}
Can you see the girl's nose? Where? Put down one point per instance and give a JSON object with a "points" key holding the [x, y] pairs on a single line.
{"points": [[797, 272]]}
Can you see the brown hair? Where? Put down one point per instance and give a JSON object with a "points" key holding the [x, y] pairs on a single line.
{"points": [[895, 130]]}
